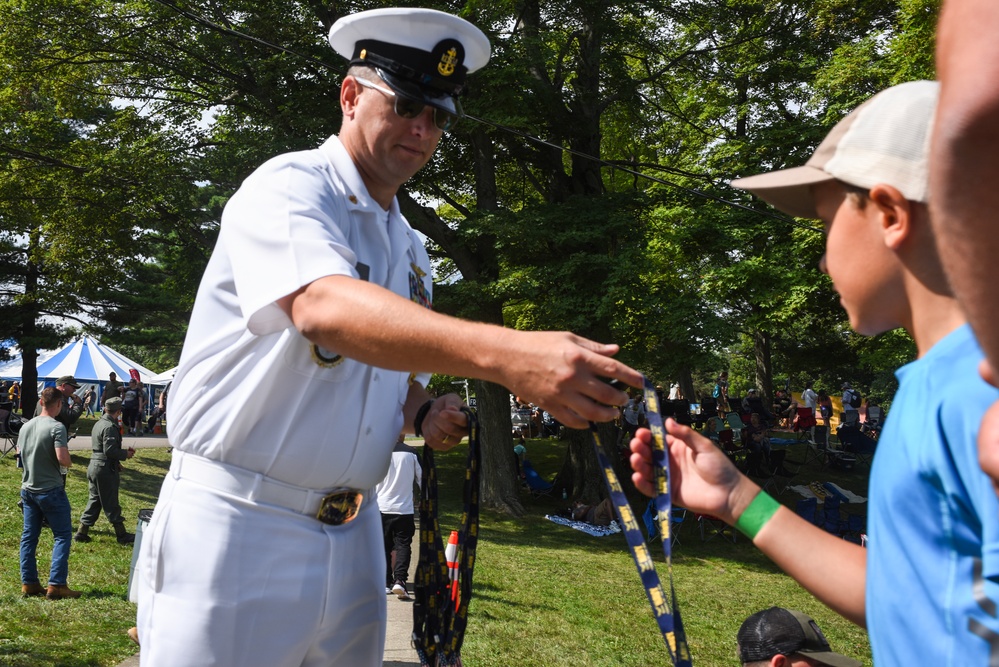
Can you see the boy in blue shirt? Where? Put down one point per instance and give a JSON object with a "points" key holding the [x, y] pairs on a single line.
{"points": [[926, 588]]}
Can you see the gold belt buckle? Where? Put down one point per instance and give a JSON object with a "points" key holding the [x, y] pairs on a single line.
{"points": [[340, 507]]}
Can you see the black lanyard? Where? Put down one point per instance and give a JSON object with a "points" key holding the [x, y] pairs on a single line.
{"points": [[438, 626], [666, 610]]}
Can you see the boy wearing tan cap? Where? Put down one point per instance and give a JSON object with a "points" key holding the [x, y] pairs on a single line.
{"points": [[926, 587]]}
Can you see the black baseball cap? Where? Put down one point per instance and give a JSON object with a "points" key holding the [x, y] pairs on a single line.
{"points": [[778, 631]]}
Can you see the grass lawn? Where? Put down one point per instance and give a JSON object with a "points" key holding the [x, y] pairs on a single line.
{"points": [[543, 594]]}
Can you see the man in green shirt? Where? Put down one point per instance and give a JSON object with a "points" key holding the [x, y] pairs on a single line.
{"points": [[42, 442], [103, 475]]}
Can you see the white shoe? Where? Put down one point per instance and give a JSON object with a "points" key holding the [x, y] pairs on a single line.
{"points": [[388, 591], [401, 592]]}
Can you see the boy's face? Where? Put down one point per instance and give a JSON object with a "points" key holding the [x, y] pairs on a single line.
{"points": [[863, 269]]}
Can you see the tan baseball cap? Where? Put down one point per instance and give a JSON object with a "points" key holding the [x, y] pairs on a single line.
{"points": [[884, 140]]}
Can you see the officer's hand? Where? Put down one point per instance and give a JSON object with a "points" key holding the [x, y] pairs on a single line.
{"points": [[130, 453], [445, 424], [566, 375]]}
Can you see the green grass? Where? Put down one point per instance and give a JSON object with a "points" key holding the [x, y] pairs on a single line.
{"points": [[552, 596], [36, 632], [543, 595]]}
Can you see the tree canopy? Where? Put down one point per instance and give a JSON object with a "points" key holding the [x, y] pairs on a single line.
{"points": [[587, 190]]}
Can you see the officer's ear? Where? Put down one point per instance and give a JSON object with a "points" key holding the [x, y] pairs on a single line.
{"points": [[350, 90]]}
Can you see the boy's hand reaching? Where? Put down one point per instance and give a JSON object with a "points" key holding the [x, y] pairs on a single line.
{"points": [[703, 479]]}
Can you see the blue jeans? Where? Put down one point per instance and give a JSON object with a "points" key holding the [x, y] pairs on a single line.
{"points": [[54, 506]]}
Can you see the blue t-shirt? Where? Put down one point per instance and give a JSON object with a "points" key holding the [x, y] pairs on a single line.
{"points": [[933, 555]]}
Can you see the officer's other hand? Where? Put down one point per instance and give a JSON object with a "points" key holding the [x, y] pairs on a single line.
{"points": [[445, 424]]}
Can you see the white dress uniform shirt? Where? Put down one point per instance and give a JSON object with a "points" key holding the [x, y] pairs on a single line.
{"points": [[250, 390]]}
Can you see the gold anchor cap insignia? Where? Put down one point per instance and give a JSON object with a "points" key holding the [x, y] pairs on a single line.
{"points": [[449, 60]]}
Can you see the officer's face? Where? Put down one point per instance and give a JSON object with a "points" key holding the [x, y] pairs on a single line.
{"points": [[387, 148]]}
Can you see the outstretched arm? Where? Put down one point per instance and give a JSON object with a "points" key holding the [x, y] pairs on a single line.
{"points": [[705, 481], [559, 371]]}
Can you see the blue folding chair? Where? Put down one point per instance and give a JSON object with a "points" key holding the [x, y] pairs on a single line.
{"points": [[650, 517], [536, 484], [806, 508]]}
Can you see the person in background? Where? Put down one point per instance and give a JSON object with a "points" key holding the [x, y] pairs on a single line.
{"points": [[111, 388], [159, 412], [600, 514], [44, 454], [72, 406], [720, 390], [778, 637], [104, 476], [633, 414], [14, 394], [88, 401], [395, 502], [131, 402]]}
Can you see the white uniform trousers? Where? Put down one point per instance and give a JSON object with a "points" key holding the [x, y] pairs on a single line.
{"points": [[223, 582]]}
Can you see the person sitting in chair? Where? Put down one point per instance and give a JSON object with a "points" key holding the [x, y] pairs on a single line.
{"points": [[757, 443]]}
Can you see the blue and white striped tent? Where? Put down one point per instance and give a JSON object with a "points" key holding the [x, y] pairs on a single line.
{"points": [[86, 359]]}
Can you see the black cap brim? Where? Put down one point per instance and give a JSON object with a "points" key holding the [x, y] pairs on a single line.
{"points": [[414, 91]]}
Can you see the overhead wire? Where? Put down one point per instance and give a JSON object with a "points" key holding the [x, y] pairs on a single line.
{"points": [[504, 128]]}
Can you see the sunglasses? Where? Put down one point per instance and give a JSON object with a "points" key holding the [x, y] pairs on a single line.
{"points": [[406, 107]]}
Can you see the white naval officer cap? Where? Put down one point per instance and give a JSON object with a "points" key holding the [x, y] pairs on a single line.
{"points": [[422, 54]]}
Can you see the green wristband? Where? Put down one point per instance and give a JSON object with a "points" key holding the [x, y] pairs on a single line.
{"points": [[756, 515]]}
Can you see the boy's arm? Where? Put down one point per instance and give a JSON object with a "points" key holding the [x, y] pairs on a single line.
{"points": [[706, 482]]}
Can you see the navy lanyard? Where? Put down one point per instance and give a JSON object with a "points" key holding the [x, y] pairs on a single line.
{"points": [[439, 624], [665, 609]]}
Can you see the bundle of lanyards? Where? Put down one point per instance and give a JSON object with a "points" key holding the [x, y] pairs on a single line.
{"points": [[439, 620], [665, 609]]}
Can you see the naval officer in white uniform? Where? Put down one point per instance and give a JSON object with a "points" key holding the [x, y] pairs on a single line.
{"points": [[306, 355]]}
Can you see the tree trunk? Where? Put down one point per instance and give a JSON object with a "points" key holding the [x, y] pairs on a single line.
{"points": [[764, 367], [581, 476], [500, 487]]}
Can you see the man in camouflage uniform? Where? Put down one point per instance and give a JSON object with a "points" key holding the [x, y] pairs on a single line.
{"points": [[103, 475]]}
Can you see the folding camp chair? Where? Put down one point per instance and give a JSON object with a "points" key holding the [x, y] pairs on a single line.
{"points": [[726, 440], [856, 528], [712, 527], [804, 420], [818, 447], [677, 516], [537, 485], [872, 426], [849, 418], [832, 519], [10, 425], [807, 508], [681, 411], [737, 425], [857, 443], [709, 407], [779, 476]]}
